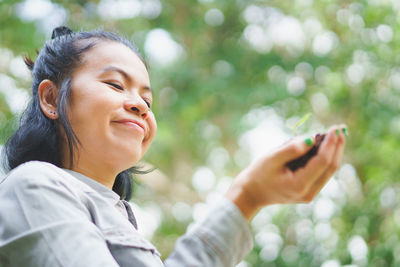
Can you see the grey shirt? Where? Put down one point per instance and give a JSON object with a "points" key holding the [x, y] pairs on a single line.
{"points": [[56, 217]]}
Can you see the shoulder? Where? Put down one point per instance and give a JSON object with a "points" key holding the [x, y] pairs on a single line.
{"points": [[41, 184], [37, 173], [33, 170]]}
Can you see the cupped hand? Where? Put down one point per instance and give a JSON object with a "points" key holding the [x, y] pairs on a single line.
{"points": [[269, 181]]}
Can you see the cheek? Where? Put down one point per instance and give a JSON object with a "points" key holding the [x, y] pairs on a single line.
{"points": [[91, 112], [151, 121], [86, 115]]}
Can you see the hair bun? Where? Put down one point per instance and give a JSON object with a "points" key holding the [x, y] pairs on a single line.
{"points": [[60, 31]]}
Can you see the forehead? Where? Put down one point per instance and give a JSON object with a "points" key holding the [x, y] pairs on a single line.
{"points": [[109, 53]]}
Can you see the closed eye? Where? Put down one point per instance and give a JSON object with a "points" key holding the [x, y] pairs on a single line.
{"points": [[115, 85], [147, 103]]}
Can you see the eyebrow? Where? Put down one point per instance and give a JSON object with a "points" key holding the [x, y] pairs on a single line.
{"points": [[124, 74]]}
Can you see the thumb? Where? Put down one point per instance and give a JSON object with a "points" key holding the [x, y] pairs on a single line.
{"points": [[294, 149]]}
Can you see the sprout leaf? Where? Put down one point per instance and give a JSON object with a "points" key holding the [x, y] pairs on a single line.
{"points": [[301, 121]]}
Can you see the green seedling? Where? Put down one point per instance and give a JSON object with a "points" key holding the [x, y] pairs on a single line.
{"points": [[301, 122]]}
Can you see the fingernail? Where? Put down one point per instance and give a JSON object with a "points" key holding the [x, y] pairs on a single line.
{"points": [[308, 142], [337, 132], [346, 133]]}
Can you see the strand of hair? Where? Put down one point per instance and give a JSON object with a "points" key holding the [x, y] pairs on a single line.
{"points": [[29, 62]]}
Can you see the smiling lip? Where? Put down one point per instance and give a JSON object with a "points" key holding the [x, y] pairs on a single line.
{"points": [[133, 124]]}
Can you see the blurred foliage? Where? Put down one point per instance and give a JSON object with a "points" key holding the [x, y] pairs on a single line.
{"points": [[337, 59]]}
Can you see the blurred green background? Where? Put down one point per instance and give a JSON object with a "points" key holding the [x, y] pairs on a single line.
{"points": [[231, 80]]}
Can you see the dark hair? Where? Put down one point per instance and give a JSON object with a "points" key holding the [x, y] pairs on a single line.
{"points": [[38, 137]]}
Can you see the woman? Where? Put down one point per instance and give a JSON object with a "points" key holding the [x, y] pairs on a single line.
{"points": [[64, 201]]}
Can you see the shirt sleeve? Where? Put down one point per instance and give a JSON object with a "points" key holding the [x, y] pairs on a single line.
{"points": [[223, 238], [44, 223]]}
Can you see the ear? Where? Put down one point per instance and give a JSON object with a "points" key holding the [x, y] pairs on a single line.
{"points": [[48, 99]]}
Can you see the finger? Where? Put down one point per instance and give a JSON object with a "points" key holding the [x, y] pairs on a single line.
{"points": [[294, 149], [320, 163], [319, 184], [341, 143]]}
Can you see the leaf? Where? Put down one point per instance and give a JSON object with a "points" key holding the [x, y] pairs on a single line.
{"points": [[301, 121]]}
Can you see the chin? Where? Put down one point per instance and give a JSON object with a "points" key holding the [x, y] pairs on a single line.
{"points": [[128, 158], [131, 160]]}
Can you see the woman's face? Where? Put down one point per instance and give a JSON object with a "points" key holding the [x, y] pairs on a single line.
{"points": [[110, 108]]}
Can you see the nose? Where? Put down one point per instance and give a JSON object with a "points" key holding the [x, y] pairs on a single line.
{"points": [[136, 105]]}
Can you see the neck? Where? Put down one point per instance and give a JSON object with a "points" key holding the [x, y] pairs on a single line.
{"points": [[90, 167], [101, 173], [100, 176]]}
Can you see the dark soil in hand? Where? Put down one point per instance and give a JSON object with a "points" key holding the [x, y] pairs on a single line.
{"points": [[302, 161]]}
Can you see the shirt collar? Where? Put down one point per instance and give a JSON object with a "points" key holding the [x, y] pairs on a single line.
{"points": [[98, 187]]}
